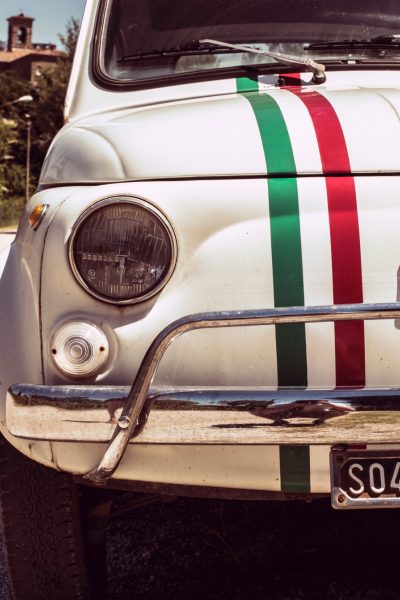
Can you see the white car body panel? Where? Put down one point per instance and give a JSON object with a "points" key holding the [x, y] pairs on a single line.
{"points": [[219, 137], [222, 267], [195, 152]]}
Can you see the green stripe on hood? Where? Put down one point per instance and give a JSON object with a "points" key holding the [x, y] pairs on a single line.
{"points": [[285, 236], [244, 84]]}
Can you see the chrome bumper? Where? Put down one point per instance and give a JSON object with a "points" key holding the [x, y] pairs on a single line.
{"points": [[198, 416]]}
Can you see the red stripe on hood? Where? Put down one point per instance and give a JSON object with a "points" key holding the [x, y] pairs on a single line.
{"points": [[345, 235], [290, 79]]}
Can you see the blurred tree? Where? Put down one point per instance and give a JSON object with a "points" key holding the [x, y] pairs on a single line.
{"points": [[12, 87], [12, 144], [11, 174], [46, 115], [7, 138], [49, 93]]}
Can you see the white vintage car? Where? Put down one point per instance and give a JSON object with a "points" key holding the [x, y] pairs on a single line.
{"points": [[201, 298]]}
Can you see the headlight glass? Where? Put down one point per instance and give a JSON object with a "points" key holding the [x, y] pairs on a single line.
{"points": [[122, 250]]}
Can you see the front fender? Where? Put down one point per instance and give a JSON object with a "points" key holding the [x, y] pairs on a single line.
{"points": [[20, 326]]}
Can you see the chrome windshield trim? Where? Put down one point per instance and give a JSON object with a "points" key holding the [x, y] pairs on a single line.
{"points": [[129, 418]]}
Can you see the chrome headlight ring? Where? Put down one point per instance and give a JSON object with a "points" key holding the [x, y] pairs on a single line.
{"points": [[122, 250]]}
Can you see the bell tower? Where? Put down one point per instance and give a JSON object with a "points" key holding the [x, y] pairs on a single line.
{"points": [[19, 32]]}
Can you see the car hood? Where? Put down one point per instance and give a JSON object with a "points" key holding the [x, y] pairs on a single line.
{"points": [[278, 131]]}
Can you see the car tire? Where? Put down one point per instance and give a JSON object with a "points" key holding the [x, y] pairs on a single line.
{"points": [[41, 529]]}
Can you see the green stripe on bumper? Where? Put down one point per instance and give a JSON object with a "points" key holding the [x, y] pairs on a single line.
{"points": [[295, 468]]}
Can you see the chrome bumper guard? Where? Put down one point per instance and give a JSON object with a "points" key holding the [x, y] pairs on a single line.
{"points": [[121, 415]]}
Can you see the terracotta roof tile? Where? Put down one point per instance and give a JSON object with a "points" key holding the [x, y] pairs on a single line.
{"points": [[9, 57]]}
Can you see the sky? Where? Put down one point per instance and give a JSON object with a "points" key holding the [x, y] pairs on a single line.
{"points": [[51, 17]]}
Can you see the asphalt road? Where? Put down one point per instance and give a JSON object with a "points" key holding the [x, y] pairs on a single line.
{"points": [[5, 240], [4, 590], [228, 550]]}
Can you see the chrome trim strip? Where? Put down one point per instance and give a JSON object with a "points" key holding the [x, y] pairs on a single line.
{"points": [[68, 397], [351, 504], [274, 404], [138, 394]]}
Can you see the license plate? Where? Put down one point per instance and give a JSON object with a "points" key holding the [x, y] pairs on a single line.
{"points": [[365, 478]]}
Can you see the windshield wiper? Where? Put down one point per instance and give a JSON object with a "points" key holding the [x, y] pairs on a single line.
{"points": [[195, 47], [380, 42], [317, 69], [208, 46]]}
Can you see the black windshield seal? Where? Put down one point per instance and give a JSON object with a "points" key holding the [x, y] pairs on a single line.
{"points": [[377, 44]]}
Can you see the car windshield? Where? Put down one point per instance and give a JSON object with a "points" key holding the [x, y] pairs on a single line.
{"points": [[145, 39]]}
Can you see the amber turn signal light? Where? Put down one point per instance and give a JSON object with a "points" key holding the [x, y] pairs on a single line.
{"points": [[37, 215]]}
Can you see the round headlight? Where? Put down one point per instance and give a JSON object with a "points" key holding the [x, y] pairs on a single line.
{"points": [[122, 250]]}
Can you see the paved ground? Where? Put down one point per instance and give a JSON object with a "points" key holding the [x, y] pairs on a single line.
{"points": [[5, 240], [4, 591], [228, 550]]}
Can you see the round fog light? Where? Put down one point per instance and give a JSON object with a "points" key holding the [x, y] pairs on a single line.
{"points": [[79, 349]]}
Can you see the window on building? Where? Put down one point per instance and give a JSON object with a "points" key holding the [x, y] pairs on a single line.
{"points": [[21, 36]]}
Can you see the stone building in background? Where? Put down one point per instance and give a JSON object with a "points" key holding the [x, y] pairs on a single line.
{"points": [[22, 56]]}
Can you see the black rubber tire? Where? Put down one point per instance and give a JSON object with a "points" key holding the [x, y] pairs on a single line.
{"points": [[41, 528]]}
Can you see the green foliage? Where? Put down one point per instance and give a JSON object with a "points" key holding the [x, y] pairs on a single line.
{"points": [[11, 210], [12, 87], [70, 38], [47, 118], [11, 176], [46, 115]]}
